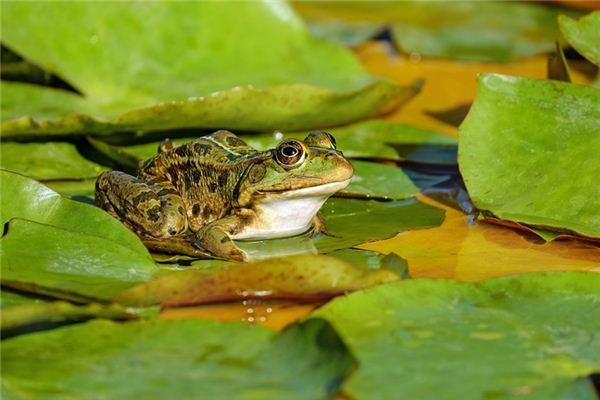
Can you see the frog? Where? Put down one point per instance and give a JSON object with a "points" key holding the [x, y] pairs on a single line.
{"points": [[217, 189]]}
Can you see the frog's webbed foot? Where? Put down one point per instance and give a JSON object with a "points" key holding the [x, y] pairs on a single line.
{"points": [[320, 228], [215, 239]]}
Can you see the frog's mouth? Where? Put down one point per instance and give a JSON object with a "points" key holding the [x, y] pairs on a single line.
{"points": [[326, 189]]}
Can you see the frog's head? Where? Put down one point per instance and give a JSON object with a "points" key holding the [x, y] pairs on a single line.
{"points": [[296, 169]]}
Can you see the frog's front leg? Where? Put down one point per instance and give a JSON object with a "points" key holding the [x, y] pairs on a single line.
{"points": [[151, 208], [216, 237]]}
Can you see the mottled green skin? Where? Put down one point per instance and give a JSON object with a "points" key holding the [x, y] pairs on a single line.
{"points": [[211, 187]]}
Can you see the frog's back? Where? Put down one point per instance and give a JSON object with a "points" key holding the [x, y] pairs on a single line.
{"points": [[205, 172]]}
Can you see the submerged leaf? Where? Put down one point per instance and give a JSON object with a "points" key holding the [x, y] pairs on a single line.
{"points": [[176, 359], [529, 150], [299, 277], [532, 335], [250, 81], [583, 34], [47, 161]]}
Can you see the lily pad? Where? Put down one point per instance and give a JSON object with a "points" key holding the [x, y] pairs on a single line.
{"points": [[583, 34], [483, 31], [33, 201], [299, 277], [528, 153], [250, 81], [531, 335], [58, 262], [47, 161], [176, 359], [352, 222], [21, 316]]}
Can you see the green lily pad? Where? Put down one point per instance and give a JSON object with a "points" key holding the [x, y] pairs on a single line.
{"points": [[176, 359], [305, 277], [33, 201], [476, 30], [58, 262], [21, 316], [47, 161], [379, 180], [583, 34], [9, 298], [251, 81], [352, 222], [530, 336], [529, 150]]}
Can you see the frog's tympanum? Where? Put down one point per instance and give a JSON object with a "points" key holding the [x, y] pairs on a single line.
{"points": [[219, 189]]}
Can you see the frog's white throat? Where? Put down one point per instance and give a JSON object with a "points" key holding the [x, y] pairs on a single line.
{"points": [[289, 213]]}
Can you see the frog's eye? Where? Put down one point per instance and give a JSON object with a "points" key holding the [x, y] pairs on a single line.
{"points": [[290, 153], [320, 139]]}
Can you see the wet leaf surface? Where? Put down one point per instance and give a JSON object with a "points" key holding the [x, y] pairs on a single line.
{"points": [[467, 250], [248, 84], [377, 220], [49, 260], [532, 335], [174, 359], [379, 180], [480, 31], [65, 248], [583, 34], [47, 161], [35, 202], [299, 278], [549, 132]]}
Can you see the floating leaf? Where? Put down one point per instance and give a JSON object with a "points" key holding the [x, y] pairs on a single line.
{"points": [[59, 311], [469, 250], [450, 86], [483, 31], [9, 298], [176, 359], [531, 335], [251, 81], [47, 161], [583, 34], [35, 202], [298, 277], [533, 159], [50, 260], [352, 222]]}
